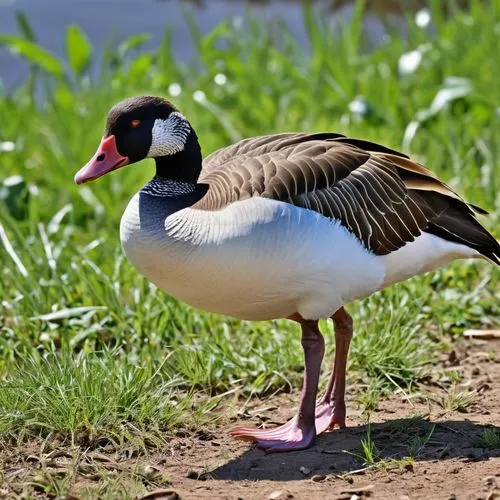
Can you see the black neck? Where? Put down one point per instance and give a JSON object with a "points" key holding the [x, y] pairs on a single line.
{"points": [[184, 166]]}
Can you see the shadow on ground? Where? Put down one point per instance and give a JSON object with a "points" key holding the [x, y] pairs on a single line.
{"points": [[338, 452]]}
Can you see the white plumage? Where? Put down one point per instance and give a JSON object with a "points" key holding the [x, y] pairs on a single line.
{"points": [[169, 136], [266, 259]]}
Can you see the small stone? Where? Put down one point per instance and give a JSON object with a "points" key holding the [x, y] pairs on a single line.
{"points": [[452, 357], [483, 387], [162, 494], [149, 470], [490, 481], [452, 496], [317, 478], [275, 495], [192, 474], [305, 470]]}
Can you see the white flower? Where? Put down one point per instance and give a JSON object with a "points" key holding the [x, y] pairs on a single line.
{"points": [[199, 96], [409, 62], [422, 18], [7, 146], [358, 106], [174, 89], [220, 79]]}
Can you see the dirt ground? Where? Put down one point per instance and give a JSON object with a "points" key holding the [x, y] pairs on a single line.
{"points": [[450, 460]]}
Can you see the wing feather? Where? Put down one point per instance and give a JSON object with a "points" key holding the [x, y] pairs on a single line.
{"points": [[380, 195]]}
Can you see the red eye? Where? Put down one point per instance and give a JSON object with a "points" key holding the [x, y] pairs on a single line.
{"points": [[135, 123]]}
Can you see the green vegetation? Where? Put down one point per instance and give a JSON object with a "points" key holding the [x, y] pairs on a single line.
{"points": [[89, 349], [490, 438], [414, 434]]}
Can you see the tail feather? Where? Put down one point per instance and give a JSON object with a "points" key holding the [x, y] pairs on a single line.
{"points": [[454, 219], [462, 227]]}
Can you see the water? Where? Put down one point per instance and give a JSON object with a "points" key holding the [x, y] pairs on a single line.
{"points": [[102, 19]]}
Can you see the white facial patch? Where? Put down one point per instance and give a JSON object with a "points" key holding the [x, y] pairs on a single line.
{"points": [[169, 136]]}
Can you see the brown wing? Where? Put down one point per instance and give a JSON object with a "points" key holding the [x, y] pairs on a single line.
{"points": [[256, 146], [380, 195]]}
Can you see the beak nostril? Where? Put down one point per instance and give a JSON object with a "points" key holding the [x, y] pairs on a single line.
{"points": [[101, 157]]}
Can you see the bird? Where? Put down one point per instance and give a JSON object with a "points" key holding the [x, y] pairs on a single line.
{"points": [[291, 225]]}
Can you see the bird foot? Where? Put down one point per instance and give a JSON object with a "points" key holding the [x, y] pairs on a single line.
{"points": [[329, 415], [292, 435], [288, 437]]}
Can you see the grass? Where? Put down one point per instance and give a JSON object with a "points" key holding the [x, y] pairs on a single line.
{"points": [[457, 400], [89, 349], [92, 396], [414, 432], [369, 453], [490, 439]]}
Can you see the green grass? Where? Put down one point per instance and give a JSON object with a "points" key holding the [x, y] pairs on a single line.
{"points": [[490, 439], [89, 349], [414, 432], [456, 400], [92, 396]]}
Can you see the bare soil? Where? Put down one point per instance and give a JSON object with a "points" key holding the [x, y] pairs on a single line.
{"points": [[451, 464]]}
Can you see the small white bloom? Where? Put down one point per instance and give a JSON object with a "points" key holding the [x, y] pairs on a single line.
{"points": [[7, 146], [220, 79], [174, 89], [422, 18], [409, 62], [44, 337], [358, 107], [199, 96], [13, 180]]}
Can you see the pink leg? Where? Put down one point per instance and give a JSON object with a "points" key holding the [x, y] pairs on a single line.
{"points": [[330, 409], [298, 433]]}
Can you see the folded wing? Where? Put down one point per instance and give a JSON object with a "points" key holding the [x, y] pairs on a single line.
{"points": [[381, 196]]}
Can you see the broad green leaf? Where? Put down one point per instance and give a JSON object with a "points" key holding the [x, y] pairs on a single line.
{"points": [[134, 42], [34, 54], [78, 49], [140, 66]]}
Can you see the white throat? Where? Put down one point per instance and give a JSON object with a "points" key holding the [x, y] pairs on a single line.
{"points": [[169, 136]]}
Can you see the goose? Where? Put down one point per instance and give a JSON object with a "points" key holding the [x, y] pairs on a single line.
{"points": [[290, 225]]}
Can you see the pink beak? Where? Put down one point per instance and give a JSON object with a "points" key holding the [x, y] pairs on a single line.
{"points": [[106, 159]]}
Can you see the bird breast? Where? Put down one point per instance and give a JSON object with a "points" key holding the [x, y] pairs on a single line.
{"points": [[255, 259]]}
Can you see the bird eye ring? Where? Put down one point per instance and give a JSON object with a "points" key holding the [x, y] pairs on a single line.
{"points": [[135, 123]]}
